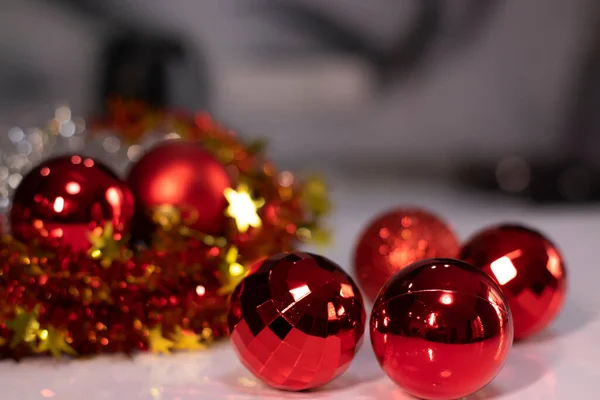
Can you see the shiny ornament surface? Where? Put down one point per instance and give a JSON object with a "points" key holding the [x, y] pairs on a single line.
{"points": [[25, 146], [441, 329], [62, 200], [396, 239], [183, 175], [297, 321], [529, 269]]}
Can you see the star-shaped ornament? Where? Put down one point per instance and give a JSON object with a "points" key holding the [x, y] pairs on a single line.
{"points": [[24, 326], [243, 208], [105, 246], [159, 343], [54, 341], [187, 340]]}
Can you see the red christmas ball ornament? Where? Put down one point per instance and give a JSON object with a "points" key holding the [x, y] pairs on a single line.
{"points": [[297, 321], [62, 200], [528, 268], [396, 239], [441, 329], [186, 176]]}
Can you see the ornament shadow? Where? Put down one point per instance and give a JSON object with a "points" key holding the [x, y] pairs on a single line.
{"points": [[524, 366], [363, 370], [249, 387]]}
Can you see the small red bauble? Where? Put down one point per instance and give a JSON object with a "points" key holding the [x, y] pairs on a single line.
{"points": [[297, 321], [397, 239], [441, 329], [528, 268], [183, 175], [62, 200]]}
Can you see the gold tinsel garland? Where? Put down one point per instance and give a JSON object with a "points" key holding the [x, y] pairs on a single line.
{"points": [[173, 295]]}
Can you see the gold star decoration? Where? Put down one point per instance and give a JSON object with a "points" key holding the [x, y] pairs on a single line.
{"points": [[158, 343], [24, 326], [55, 341], [243, 208], [187, 340], [315, 196], [104, 246], [234, 272], [314, 235]]}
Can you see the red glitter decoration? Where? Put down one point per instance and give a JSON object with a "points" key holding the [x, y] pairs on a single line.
{"points": [[186, 176], [297, 321], [63, 199], [528, 268], [396, 239], [441, 329]]}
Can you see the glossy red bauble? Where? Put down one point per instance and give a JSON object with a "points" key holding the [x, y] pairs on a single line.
{"points": [[186, 176], [62, 200], [397, 239], [528, 268], [441, 329], [297, 321]]}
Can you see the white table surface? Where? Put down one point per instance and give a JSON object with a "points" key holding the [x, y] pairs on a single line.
{"points": [[560, 363]]}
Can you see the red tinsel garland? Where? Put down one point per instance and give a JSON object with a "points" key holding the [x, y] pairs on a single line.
{"points": [[171, 296]]}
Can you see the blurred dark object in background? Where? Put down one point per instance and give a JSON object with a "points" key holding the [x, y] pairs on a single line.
{"points": [[397, 60], [135, 68], [156, 68], [575, 176], [566, 181]]}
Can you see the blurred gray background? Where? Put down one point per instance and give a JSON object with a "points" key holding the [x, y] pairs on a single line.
{"points": [[504, 88]]}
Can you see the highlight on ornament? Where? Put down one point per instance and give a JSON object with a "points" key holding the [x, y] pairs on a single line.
{"points": [[64, 199], [93, 263], [441, 329], [296, 321], [529, 269], [396, 239]]}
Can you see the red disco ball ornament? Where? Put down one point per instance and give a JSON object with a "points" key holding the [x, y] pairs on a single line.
{"points": [[528, 268], [441, 329], [396, 239], [183, 175], [297, 321], [62, 200]]}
